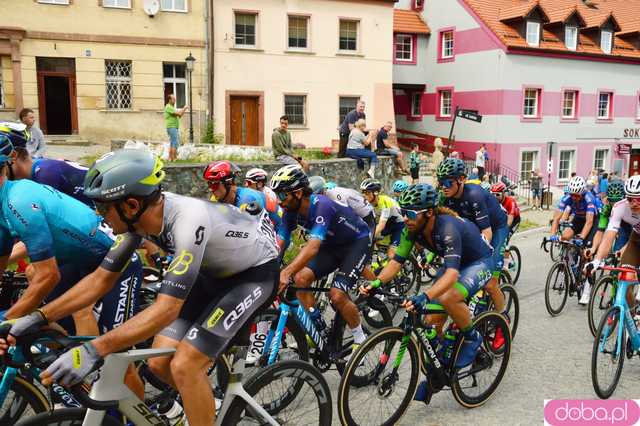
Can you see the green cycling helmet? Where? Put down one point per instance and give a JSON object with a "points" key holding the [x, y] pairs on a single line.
{"points": [[419, 197], [453, 167], [615, 191]]}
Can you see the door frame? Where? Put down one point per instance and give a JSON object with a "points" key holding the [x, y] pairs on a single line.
{"points": [[73, 104], [249, 94]]}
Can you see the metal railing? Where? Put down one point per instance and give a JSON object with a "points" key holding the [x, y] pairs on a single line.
{"points": [[500, 172]]}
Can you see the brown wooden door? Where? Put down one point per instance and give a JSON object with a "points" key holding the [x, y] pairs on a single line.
{"points": [[244, 120], [634, 164], [57, 100]]}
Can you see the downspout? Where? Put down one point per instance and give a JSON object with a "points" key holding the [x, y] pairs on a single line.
{"points": [[210, 57]]}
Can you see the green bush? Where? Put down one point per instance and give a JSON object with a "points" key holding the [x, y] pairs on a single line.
{"points": [[210, 135]]}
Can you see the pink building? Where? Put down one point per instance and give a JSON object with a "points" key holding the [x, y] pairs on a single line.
{"points": [[539, 71]]}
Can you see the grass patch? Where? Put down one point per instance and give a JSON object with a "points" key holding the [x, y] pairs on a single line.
{"points": [[526, 224], [88, 160]]}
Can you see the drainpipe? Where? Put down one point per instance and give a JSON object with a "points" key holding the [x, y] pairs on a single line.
{"points": [[210, 57]]}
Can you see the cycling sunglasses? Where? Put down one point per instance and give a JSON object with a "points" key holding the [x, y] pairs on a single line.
{"points": [[282, 196], [102, 207], [633, 200], [446, 183], [411, 214]]}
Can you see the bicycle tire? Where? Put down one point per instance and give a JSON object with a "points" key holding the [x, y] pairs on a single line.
{"points": [[22, 395], [516, 250], [345, 398], [374, 303], [560, 267], [598, 292], [511, 299], [66, 417], [555, 251], [605, 393], [300, 371], [504, 354]]}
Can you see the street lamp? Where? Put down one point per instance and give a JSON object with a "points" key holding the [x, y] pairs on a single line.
{"points": [[190, 60]]}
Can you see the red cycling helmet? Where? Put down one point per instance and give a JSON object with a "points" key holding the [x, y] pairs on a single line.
{"points": [[222, 171], [498, 187]]}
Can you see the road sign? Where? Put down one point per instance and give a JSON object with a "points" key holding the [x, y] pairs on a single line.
{"points": [[469, 115], [549, 166]]}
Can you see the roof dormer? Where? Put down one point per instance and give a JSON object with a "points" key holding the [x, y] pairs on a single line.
{"points": [[529, 18]]}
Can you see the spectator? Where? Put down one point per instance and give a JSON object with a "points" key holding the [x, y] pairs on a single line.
{"points": [[356, 146], [437, 156], [348, 125], [282, 146], [414, 164], [384, 146], [172, 123], [473, 177], [604, 185], [573, 174], [36, 144], [481, 157], [454, 154], [536, 185]]}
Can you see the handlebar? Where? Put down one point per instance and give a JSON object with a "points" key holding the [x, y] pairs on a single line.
{"points": [[81, 395]]}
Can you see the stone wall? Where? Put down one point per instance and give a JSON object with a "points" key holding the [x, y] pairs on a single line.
{"points": [[186, 178]]}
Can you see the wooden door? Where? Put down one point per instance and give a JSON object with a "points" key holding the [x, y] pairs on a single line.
{"points": [[244, 120], [57, 101], [634, 164]]}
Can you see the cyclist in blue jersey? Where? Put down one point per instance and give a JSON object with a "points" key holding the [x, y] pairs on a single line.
{"points": [[338, 239], [221, 178], [583, 207], [472, 202]]}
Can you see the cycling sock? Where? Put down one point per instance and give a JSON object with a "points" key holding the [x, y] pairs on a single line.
{"points": [[358, 335]]}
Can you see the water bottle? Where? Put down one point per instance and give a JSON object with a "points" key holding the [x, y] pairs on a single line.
{"points": [[172, 412], [446, 348], [317, 319]]}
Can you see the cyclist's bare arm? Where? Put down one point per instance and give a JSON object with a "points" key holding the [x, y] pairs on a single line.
{"points": [[46, 276], [306, 254], [390, 271], [510, 219], [606, 244], [18, 252], [556, 220], [588, 224]]}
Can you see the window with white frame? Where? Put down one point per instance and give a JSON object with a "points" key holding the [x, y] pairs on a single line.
{"points": [[600, 159], [533, 33], [175, 82], [569, 99], [298, 32], [174, 5], [604, 106], [295, 107], [447, 44], [531, 103], [54, 1], [445, 103], [416, 104], [346, 104], [606, 41], [348, 35], [528, 162], [571, 37], [245, 29], [566, 163], [118, 84], [122, 4], [404, 47]]}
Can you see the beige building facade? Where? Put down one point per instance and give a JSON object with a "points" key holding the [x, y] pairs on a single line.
{"points": [[102, 69]]}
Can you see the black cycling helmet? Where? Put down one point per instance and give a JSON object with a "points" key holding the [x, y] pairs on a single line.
{"points": [[453, 167], [615, 191], [372, 185], [289, 178], [419, 197]]}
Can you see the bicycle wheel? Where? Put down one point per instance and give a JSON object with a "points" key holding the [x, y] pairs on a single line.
{"points": [[555, 251], [516, 263], [66, 417], [312, 404], [474, 384], [556, 289], [608, 352], [375, 312], [391, 389], [511, 307], [24, 399], [602, 298]]}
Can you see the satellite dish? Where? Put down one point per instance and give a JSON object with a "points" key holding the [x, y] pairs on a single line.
{"points": [[151, 7]]}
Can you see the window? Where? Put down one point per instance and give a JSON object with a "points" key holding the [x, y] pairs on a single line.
{"points": [[569, 103], [606, 41], [118, 83], [566, 165], [174, 5], [298, 32], [124, 4], [528, 162], [417, 5], [604, 106], [245, 29], [533, 33], [416, 104], [404, 47], [54, 1], [348, 35], [175, 82], [531, 103], [346, 104], [447, 44], [295, 108], [600, 159], [571, 37], [445, 103]]}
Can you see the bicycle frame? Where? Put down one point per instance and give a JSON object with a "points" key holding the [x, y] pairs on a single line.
{"points": [[626, 320]]}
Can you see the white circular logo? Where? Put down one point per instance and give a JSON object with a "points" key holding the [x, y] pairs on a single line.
{"points": [[320, 220]]}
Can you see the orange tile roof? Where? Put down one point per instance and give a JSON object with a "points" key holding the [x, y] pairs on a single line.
{"points": [[497, 15], [409, 21]]}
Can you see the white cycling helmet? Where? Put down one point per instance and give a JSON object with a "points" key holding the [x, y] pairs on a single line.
{"points": [[632, 186], [577, 185], [256, 175]]}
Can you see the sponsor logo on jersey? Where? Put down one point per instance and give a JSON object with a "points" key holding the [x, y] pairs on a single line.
{"points": [[34, 206], [77, 359], [215, 317], [236, 234]]}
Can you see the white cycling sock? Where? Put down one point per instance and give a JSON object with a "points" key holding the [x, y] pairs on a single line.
{"points": [[358, 335], [371, 171]]}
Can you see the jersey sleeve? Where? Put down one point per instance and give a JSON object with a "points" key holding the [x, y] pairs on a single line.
{"points": [[564, 202], [322, 220], [590, 204], [617, 213], [481, 210], [53, 177], [286, 228], [404, 248], [26, 216], [119, 255], [451, 246], [603, 218]]}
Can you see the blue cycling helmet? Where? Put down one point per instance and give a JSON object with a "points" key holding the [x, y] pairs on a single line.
{"points": [[330, 185], [451, 167], [400, 186], [6, 148], [486, 186], [419, 197]]}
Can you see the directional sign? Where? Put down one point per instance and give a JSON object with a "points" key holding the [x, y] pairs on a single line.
{"points": [[550, 166], [470, 115]]}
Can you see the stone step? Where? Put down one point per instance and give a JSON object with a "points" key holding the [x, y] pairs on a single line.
{"points": [[67, 141]]}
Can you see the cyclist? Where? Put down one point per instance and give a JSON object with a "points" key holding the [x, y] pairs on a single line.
{"points": [[221, 178], [467, 261], [256, 179], [615, 193], [224, 271], [399, 187], [390, 221], [471, 202], [510, 205], [338, 239], [582, 205]]}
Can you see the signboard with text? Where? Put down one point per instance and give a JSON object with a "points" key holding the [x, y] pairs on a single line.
{"points": [[623, 148]]}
